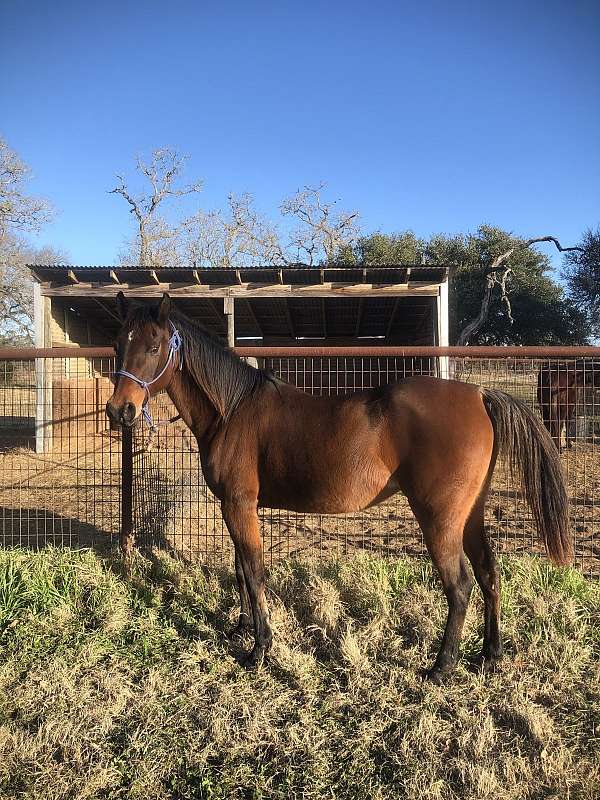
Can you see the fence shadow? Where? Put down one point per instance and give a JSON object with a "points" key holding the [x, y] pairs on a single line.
{"points": [[36, 528]]}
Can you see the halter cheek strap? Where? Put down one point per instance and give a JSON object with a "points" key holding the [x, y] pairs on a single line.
{"points": [[175, 344]]}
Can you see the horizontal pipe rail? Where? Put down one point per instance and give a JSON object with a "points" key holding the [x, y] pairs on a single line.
{"points": [[420, 352], [25, 353]]}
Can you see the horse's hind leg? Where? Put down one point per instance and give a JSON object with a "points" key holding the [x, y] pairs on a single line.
{"points": [[245, 619], [443, 537], [483, 561], [241, 519]]}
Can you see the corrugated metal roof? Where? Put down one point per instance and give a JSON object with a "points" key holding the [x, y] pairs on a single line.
{"points": [[291, 274]]}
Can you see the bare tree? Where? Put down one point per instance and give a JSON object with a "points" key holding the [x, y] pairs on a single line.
{"points": [[164, 244], [18, 210], [322, 231], [16, 287], [163, 173], [239, 237], [497, 275]]}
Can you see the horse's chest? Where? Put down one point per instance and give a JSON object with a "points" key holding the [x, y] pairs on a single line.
{"points": [[216, 476], [227, 469]]}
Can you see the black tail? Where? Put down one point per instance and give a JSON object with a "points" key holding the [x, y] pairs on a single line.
{"points": [[532, 457]]}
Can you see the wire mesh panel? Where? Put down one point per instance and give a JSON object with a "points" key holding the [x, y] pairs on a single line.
{"points": [[59, 462], [175, 509]]}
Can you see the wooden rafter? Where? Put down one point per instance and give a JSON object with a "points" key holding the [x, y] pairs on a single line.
{"points": [[289, 319], [216, 314], [392, 317], [107, 310], [359, 316], [252, 316]]}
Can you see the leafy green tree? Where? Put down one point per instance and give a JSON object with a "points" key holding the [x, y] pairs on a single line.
{"points": [[581, 272], [526, 306], [383, 248]]}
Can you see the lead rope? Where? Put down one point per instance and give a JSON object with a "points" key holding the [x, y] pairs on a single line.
{"points": [[175, 345]]}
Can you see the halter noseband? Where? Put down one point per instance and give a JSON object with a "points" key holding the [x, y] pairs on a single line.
{"points": [[175, 344]]}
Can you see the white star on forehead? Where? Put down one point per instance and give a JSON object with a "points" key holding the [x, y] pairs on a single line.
{"points": [[130, 336]]}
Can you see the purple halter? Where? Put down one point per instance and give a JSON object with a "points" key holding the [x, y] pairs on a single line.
{"points": [[175, 344]]}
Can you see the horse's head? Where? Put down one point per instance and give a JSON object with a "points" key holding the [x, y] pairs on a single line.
{"points": [[147, 356]]}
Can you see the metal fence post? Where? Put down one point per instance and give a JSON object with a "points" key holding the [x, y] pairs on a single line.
{"points": [[127, 538]]}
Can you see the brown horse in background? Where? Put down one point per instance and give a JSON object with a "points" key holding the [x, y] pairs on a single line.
{"points": [[265, 443], [558, 392]]}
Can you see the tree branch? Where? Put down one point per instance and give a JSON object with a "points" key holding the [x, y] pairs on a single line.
{"points": [[492, 279]]}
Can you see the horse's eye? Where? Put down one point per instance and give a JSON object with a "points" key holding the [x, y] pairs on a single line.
{"points": [[154, 350]]}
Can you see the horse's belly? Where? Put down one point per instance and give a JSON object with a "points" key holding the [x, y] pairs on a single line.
{"points": [[332, 493]]}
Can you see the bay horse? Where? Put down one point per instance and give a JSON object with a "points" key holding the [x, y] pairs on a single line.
{"points": [[557, 392], [265, 443]]}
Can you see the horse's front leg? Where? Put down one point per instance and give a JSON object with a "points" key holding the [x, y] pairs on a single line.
{"points": [[241, 518]]}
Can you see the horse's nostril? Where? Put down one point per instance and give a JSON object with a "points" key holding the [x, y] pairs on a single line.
{"points": [[112, 413], [128, 413]]}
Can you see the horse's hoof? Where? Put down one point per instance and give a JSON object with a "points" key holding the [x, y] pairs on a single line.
{"points": [[254, 659], [435, 675], [490, 662]]}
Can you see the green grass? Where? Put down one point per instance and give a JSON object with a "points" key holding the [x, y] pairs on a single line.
{"points": [[115, 687]]}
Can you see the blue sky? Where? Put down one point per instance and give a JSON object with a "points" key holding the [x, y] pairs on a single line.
{"points": [[429, 116]]}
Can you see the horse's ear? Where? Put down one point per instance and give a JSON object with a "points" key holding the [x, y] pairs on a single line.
{"points": [[122, 306], [164, 308]]}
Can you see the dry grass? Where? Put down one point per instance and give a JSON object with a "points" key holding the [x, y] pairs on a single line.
{"points": [[128, 688]]}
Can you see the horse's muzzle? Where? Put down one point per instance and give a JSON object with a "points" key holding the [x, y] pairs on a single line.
{"points": [[124, 416]]}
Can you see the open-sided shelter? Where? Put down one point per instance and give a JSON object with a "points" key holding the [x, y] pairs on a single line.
{"points": [[299, 306]]}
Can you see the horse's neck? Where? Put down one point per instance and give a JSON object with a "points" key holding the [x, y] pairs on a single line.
{"points": [[193, 406]]}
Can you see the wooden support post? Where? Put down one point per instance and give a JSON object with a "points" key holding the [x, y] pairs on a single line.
{"points": [[443, 329], [43, 373], [229, 311], [127, 538]]}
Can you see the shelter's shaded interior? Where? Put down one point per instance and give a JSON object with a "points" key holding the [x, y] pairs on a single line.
{"points": [[88, 314], [268, 321]]}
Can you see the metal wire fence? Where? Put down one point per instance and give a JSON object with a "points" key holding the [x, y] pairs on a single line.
{"points": [[60, 474], [61, 465]]}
